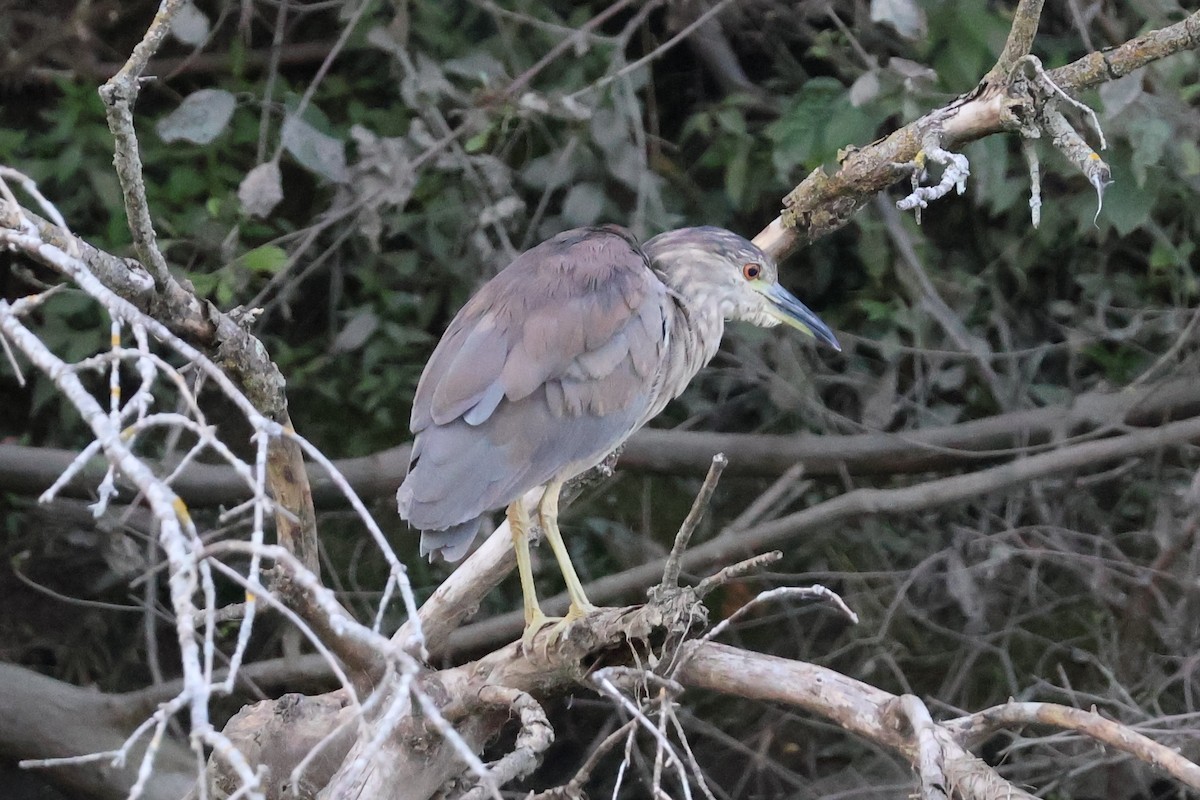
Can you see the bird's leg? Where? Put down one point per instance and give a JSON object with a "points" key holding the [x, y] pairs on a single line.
{"points": [[548, 518], [535, 620]]}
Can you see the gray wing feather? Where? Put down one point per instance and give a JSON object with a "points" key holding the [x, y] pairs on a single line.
{"points": [[454, 481], [471, 374], [550, 366]]}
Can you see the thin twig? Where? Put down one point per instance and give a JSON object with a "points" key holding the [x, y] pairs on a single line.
{"points": [[670, 578], [734, 571], [574, 787]]}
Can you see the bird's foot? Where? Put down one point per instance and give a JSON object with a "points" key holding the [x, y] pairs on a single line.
{"points": [[533, 625], [558, 627]]}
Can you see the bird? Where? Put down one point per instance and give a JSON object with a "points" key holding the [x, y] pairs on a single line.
{"points": [[556, 361]]}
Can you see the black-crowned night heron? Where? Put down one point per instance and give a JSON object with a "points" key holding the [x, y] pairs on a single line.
{"points": [[556, 361]]}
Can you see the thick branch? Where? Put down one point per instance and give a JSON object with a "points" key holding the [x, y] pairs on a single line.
{"points": [[46, 718], [30, 470], [978, 726], [1117, 62], [734, 544], [855, 706]]}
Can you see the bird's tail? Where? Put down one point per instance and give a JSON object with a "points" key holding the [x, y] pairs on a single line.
{"points": [[450, 543]]}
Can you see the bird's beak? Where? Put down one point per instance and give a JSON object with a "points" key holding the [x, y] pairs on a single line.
{"points": [[790, 311]]}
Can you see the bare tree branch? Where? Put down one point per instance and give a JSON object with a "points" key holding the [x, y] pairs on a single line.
{"points": [[822, 203], [855, 706], [732, 545], [30, 470], [976, 727], [1020, 39], [42, 719]]}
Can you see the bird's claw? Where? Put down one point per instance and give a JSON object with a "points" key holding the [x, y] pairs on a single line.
{"points": [[558, 627], [533, 626]]}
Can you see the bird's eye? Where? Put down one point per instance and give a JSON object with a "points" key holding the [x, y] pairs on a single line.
{"points": [[751, 270]]}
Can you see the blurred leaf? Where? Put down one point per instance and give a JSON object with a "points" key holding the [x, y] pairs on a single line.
{"points": [[914, 75], [865, 88], [820, 122], [261, 189], [266, 260], [477, 66], [549, 171], [476, 143], [503, 209], [798, 132], [199, 119], [1149, 138], [186, 183], [317, 152], [623, 158], [1126, 204], [584, 204], [190, 24], [1119, 94], [1189, 154], [905, 16], [356, 332]]}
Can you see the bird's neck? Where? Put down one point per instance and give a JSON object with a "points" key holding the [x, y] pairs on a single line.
{"points": [[694, 328], [702, 324]]}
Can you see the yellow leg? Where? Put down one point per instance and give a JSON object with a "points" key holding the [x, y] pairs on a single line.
{"points": [[548, 518], [535, 620]]}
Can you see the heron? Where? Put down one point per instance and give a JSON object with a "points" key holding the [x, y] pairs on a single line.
{"points": [[555, 361]]}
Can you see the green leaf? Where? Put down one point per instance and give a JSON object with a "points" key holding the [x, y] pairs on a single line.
{"points": [[265, 260], [1127, 204], [1189, 156], [1148, 138], [821, 121], [477, 142]]}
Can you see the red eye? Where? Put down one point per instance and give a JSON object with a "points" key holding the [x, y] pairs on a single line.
{"points": [[751, 270]]}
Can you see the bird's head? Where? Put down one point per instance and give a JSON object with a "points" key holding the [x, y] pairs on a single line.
{"points": [[713, 267]]}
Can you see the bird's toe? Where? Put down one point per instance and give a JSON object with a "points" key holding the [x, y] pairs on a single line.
{"points": [[534, 626]]}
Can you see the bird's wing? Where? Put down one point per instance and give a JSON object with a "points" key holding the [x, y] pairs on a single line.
{"points": [[566, 315], [554, 362]]}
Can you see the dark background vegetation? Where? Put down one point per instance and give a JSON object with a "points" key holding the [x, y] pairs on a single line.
{"points": [[1079, 589]]}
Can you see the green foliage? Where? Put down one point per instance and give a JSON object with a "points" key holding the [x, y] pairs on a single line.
{"points": [[820, 121], [412, 173]]}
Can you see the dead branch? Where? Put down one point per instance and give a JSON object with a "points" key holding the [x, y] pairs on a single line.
{"points": [[855, 706], [534, 738], [974, 728], [732, 545], [670, 577], [912, 713], [30, 470], [1019, 42], [822, 203], [42, 720]]}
